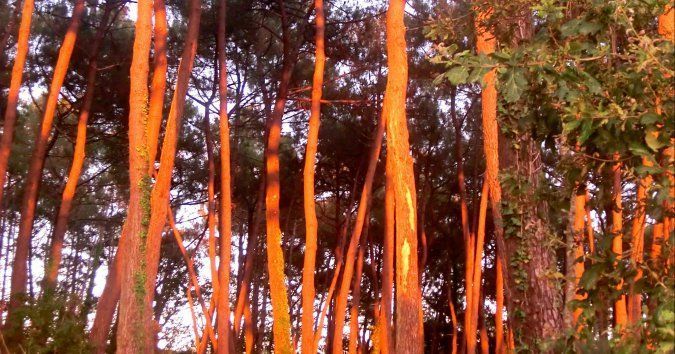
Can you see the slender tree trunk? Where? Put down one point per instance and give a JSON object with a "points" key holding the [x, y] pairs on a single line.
{"points": [[36, 164], [159, 196], [620, 314], [387, 339], [409, 320], [13, 94], [225, 194], [132, 332], [9, 28], [54, 262], [158, 84], [474, 285], [251, 249], [364, 204], [453, 319], [575, 252], [281, 328], [486, 44], [311, 224], [356, 300], [499, 307]]}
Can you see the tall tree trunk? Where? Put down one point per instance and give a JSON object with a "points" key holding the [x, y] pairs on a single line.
{"points": [[499, 307], [159, 196], [620, 314], [13, 94], [9, 28], [356, 298], [158, 84], [575, 252], [474, 274], [107, 303], [486, 44], [54, 262], [281, 328], [409, 320], [251, 249], [386, 335], [132, 331], [36, 164], [311, 224], [364, 204], [223, 320]]}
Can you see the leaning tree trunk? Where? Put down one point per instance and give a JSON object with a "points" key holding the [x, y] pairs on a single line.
{"points": [[159, 196], [37, 160], [52, 266], [13, 94]]}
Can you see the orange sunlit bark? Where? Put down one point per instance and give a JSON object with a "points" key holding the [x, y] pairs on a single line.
{"points": [[281, 327], [61, 226], [158, 84], [361, 214], [13, 93], [311, 224], [132, 333], [620, 315], [223, 317], [409, 322]]}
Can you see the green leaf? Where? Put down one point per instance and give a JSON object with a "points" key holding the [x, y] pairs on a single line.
{"points": [[653, 141], [513, 85], [589, 27], [457, 75], [649, 118], [586, 131]]}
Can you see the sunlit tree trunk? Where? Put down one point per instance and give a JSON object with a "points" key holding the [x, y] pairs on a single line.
{"points": [[386, 335], [132, 332], [352, 249], [13, 93], [54, 262], [575, 265], [486, 44], [158, 84], [223, 319], [311, 224], [356, 298], [36, 164], [620, 314], [499, 307], [159, 196], [409, 320]]}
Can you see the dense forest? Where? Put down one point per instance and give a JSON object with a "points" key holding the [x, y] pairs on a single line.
{"points": [[301, 176]]}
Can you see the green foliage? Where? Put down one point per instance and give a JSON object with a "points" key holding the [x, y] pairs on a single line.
{"points": [[51, 327]]}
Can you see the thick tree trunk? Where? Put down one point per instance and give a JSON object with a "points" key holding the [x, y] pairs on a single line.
{"points": [[13, 94], [409, 320], [311, 224], [36, 164], [54, 262], [132, 333]]}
